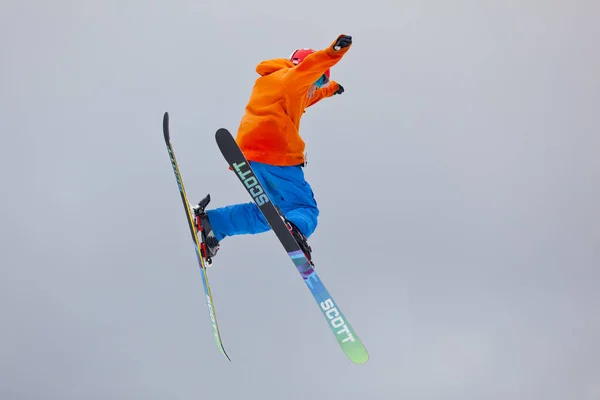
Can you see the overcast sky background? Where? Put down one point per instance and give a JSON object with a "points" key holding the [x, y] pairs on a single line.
{"points": [[457, 178]]}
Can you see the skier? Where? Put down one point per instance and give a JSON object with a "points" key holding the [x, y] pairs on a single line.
{"points": [[268, 135]]}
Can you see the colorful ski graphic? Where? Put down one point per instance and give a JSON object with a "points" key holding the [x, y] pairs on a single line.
{"points": [[190, 219]]}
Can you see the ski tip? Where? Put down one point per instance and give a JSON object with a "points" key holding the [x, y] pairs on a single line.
{"points": [[361, 358], [221, 132], [166, 126]]}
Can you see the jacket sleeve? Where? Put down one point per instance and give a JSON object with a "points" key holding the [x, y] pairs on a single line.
{"points": [[299, 78], [323, 93]]}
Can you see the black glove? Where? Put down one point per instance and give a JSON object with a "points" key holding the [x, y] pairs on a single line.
{"points": [[340, 90], [342, 42]]}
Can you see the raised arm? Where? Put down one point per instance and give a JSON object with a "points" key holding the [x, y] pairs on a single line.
{"points": [[299, 78], [323, 93]]}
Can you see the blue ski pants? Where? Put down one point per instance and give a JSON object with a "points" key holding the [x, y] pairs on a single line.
{"points": [[287, 189]]}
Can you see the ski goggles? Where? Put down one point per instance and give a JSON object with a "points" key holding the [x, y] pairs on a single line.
{"points": [[322, 81]]}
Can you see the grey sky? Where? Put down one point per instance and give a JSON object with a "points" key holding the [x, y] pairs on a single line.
{"points": [[457, 179]]}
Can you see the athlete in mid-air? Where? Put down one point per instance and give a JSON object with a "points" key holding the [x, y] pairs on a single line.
{"points": [[269, 137]]}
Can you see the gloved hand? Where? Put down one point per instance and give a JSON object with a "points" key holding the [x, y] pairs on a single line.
{"points": [[340, 90], [342, 42]]}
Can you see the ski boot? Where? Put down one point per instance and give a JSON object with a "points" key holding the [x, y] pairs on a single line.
{"points": [[300, 238], [209, 244]]}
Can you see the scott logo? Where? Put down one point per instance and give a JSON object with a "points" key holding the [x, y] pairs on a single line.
{"points": [[336, 320], [212, 316], [174, 165], [252, 184]]}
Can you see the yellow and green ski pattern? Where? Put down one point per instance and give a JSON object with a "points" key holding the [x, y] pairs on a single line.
{"points": [[190, 218]]}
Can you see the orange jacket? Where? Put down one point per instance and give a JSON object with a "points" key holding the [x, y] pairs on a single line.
{"points": [[269, 130]]}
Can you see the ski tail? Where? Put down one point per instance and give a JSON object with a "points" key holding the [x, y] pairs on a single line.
{"points": [[191, 224], [343, 331]]}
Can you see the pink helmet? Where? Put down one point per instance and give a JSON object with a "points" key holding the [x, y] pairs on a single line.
{"points": [[299, 55]]}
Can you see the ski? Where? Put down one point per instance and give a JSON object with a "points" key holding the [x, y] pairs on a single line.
{"points": [[198, 245], [343, 331]]}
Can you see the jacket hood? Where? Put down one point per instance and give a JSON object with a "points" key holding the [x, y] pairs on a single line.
{"points": [[269, 66]]}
